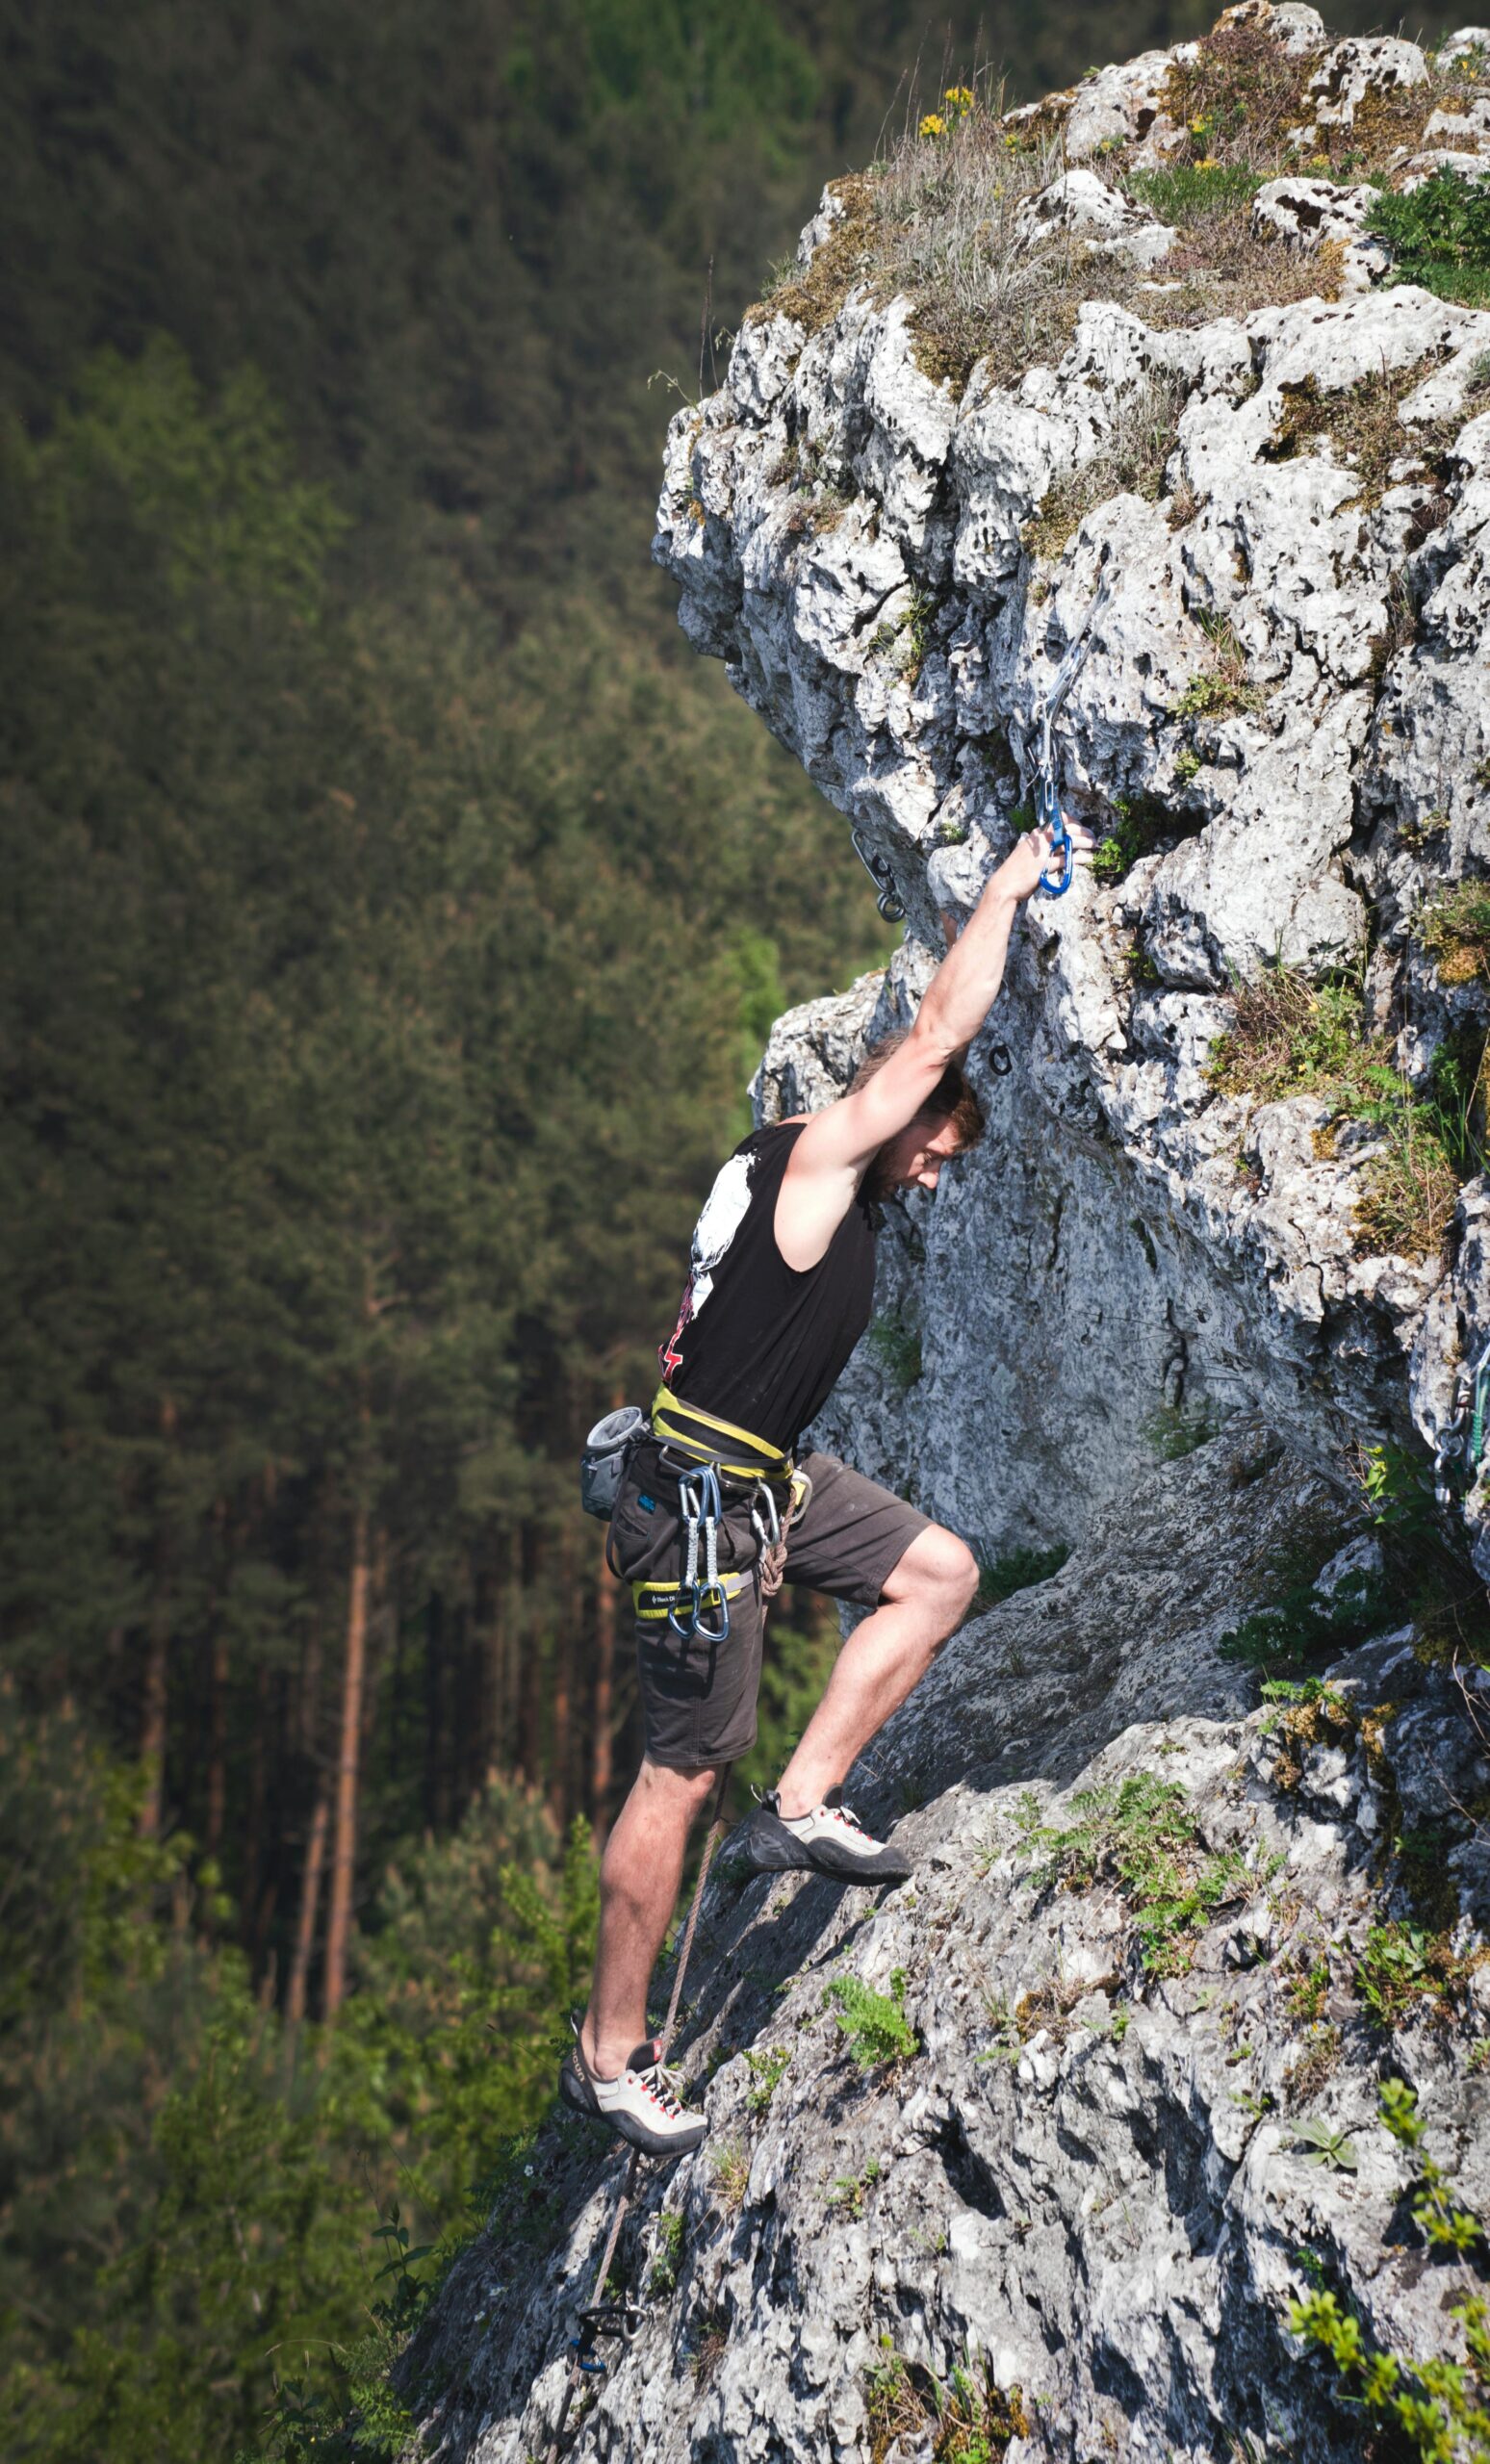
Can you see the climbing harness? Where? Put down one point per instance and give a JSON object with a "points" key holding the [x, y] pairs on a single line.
{"points": [[1061, 870], [731, 1449], [890, 903], [618, 2316], [717, 1451], [1461, 1446]]}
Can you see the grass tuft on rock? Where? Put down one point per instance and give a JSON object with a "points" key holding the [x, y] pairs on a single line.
{"points": [[1141, 1837], [1295, 1037]]}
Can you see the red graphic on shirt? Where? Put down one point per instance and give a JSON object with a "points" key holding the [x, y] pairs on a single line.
{"points": [[724, 1212]]}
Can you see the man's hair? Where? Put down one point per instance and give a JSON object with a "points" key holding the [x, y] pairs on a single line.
{"points": [[951, 1099]]}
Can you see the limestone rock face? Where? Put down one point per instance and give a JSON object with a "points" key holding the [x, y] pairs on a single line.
{"points": [[1206, 1246], [1150, 1971], [1083, 2185]]}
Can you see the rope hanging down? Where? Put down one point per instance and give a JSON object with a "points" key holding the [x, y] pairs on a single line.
{"points": [[621, 2318], [1060, 871]]}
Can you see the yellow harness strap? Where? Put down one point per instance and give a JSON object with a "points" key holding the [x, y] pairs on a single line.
{"points": [[653, 1601], [710, 1440]]}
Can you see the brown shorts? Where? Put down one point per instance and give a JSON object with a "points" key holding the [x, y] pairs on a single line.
{"points": [[699, 1697]]}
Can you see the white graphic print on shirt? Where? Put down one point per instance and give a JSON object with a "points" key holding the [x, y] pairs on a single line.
{"points": [[724, 1212]]}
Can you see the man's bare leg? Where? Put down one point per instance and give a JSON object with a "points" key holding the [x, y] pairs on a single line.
{"points": [[925, 1599], [640, 1874]]}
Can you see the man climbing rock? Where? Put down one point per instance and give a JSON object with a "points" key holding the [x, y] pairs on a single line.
{"points": [[714, 1512]]}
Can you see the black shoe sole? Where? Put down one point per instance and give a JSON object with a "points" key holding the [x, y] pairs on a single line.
{"points": [[771, 1849], [652, 2143]]}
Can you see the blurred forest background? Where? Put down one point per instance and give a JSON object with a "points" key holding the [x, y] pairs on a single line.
{"points": [[394, 908]]}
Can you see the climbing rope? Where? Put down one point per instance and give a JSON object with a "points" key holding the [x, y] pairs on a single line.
{"points": [[1061, 870], [620, 2318]]}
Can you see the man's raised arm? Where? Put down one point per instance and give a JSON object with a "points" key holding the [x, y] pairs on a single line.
{"points": [[838, 1145]]}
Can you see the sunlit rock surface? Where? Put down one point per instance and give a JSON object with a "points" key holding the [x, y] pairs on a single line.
{"points": [[1084, 2185]]}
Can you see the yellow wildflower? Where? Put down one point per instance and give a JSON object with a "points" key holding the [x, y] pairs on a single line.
{"points": [[1199, 127], [960, 99], [1319, 163], [933, 125], [1209, 163]]}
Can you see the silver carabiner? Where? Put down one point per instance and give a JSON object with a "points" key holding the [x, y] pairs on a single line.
{"points": [[890, 903]]}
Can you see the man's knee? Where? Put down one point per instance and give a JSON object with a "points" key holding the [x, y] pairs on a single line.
{"points": [[940, 1573]]}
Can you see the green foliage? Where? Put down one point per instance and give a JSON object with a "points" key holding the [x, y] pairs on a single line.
{"points": [[967, 2420], [667, 2254], [1321, 2145], [1142, 825], [897, 1346], [1140, 1836], [1439, 2405], [875, 2024], [1295, 1037], [198, 2175], [1018, 1569], [1455, 928], [1174, 1432], [1439, 234], [768, 2070], [1181, 195], [1303, 1629], [1401, 1965]]}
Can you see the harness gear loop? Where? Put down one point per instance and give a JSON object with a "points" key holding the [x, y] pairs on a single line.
{"points": [[1048, 802], [890, 903]]}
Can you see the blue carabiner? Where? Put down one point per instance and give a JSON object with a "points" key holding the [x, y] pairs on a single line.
{"points": [[707, 1633], [689, 1592], [1053, 819]]}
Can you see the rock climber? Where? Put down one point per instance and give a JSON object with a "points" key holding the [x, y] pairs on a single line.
{"points": [[781, 1290]]}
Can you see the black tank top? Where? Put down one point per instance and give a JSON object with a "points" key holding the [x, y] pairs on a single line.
{"points": [[756, 1341]]}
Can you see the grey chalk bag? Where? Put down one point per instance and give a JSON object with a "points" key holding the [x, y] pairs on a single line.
{"points": [[607, 1451]]}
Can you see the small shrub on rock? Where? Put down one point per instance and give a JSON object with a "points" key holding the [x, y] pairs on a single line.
{"points": [[875, 2024]]}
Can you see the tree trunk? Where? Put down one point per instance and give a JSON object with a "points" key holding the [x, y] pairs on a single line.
{"points": [[217, 1748], [563, 1690], [310, 1907], [153, 1704], [344, 1853], [529, 1675], [602, 1749]]}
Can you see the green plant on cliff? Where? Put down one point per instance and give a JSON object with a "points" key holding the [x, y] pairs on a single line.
{"points": [[875, 2024], [1439, 234], [1141, 1835], [1295, 1035], [1438, 2404]]}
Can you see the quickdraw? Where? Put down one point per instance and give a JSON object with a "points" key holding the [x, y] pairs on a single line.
{"points": [[1061, 870], [701, 1507], [1462, 1444], [890, 903]]}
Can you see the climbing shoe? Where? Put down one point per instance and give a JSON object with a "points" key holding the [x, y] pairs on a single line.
{"points": [[639, 2105], [830, 1839]]}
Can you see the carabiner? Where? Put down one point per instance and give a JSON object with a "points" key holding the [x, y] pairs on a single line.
{"points": [[706, 1633], [890, 903], [689, 1592], [1053, 819]]}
